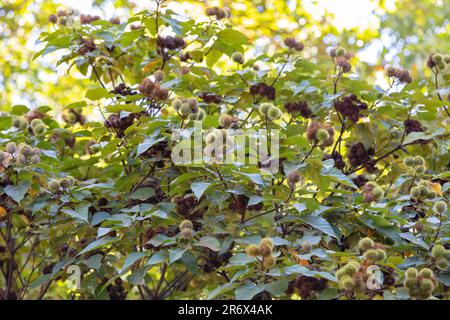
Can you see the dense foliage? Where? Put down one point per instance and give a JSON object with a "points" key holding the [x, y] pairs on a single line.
{"points": [[357, 210]]}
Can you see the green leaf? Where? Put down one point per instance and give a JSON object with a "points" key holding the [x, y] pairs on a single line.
{"points": [[79, 104], [157, 258], [209, 242], [199, 188], [248, 291], [321, 224], [138, 276], [240, 259], [147, 144], [176, 254], [81, 212], [337, 176], [444, 278], [232, 37], [300, 207], [131, 259], [213, 57], [143, 193], [40, 281], [17, 193], [254, 177], [278, 287], [221, 290], [98, 244], [19, 110], [116, 108], [416, 240], [96, 94]]}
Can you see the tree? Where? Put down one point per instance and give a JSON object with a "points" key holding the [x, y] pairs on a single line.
{"points": [[357, 210]]}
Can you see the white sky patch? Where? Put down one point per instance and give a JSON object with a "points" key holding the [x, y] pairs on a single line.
{"points": [[347, 13], [84, 6]]}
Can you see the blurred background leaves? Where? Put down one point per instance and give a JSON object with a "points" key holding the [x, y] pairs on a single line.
{"points": [[378, 32]]}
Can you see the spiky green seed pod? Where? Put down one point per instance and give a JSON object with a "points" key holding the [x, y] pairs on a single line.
{"points": [[54, 185], [267, 241], [39, 130], [365, 244], [350, 269], [65, 183], [420, 169], [186, 233], [423, 191], [347, 283], [424, 183], [200, 114], [36, 151], [322, 134], [211, 137], [71, 180], [419, 161], [415, 192], [438, 251], [437, 58], [36, 122], [293, 178], [274, 113], [193, 103], [193, 116], [20, 122], [159, 75], [340, 273], [447, 58], [381, 255], [442, 264], [11, 147], [237, 57], [441, 65], [377, 193], [252, 250], [410, 283], [265, 250], [186, 224], [25, 149], [424, 295], [372, 184], [431, 195], [264, 107], [185, 109], [426, 273], [225, 120], [426, 285], [177, 103], [62, 21], [16, 122], [70, 116], [21, 159], [411, 273], [440, 207], [269, 262], [414, 292], [35, 159], [340, 52], [355, 264], [371, 255]]}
